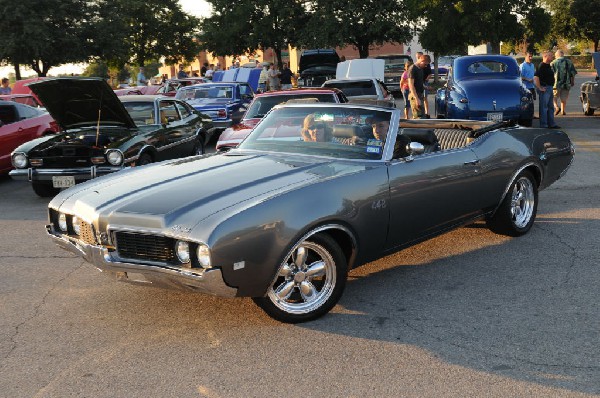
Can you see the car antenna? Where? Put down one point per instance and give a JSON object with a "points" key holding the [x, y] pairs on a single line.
{"points": [[99, 115]]}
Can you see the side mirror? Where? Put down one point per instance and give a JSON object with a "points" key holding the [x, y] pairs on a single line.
{"points": [[416, 148]]}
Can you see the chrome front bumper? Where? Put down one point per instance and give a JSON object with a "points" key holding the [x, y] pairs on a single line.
{"points": [[80, 173], [205, 281]]}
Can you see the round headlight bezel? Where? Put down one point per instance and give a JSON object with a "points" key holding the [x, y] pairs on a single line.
{"points": [[182, 249], [203, 255], [19, 160], [114, 157], [62, 222]]}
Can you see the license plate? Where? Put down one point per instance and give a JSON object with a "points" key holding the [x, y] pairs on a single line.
{"points": [[63, 181], [494, 116]]}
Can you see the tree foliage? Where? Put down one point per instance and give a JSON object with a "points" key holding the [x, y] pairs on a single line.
{"points": [[587, 16], [135, 31], [43, 34]]}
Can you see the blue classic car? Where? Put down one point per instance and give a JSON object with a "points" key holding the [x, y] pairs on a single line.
{"points": [[225, 103], [485, 87]]}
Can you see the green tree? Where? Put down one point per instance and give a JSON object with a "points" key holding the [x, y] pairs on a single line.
{"points": [[537, 26], [361, 23], [135, 31], [249, 25], [587, 16], [42, 34]]}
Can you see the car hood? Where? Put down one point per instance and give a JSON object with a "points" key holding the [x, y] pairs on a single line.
{"points": [[168, 194], [210, 102], [81, 102], [481, 93]]}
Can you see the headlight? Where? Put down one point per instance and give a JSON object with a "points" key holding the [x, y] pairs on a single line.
{"points": [[62, 222], [76, 225], [19, 160], [183, 251], [203, 254], [114, 157]]}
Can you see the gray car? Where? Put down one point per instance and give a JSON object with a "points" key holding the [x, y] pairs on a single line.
{"points": [[314, 191]]}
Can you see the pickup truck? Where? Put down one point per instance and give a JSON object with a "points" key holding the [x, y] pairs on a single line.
{"points": [[364, 90]]}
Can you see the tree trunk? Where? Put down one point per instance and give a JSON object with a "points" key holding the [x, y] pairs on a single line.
{"points": [[363, 50], [495, 47], [277, 50], [17, 71]]}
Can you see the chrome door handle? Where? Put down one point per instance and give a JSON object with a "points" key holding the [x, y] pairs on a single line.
{"points": [[472, 162]]}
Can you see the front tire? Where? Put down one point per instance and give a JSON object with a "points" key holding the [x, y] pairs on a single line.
{"points": [[44, 190], [198, 147], [309, 282], [516, 214], [144, 159], [526, 122]]}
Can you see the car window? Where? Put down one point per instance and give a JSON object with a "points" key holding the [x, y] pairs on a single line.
{"points": [[487, 67], [183, 111], [142, 113], [168, 112], [261, 105], [28, 100], [246, 90], [333, 131], [354, 88], [26, 112], [8, 114]]}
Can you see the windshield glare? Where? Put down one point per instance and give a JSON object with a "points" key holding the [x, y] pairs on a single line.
{"points": [[193, 93], [340, 132]]}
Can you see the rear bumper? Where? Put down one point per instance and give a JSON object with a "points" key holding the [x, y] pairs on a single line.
{"points": [[208, 281], [80, 173]]}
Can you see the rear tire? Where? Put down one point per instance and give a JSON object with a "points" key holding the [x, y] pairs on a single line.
{"points": [[44, 190], [587, 110], [516, 214], [199, 147], [309, 282]]}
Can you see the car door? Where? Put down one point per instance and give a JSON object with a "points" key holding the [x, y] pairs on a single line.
{"points": [[188, 128], [15, 129], [431, 192], [172, 133]]}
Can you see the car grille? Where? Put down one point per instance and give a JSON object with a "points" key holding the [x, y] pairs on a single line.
{"points": [[67, 156], [138, 246], [86, 233]]}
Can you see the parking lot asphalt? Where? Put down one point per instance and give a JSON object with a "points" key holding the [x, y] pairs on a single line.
{"points": [[469, 313]]}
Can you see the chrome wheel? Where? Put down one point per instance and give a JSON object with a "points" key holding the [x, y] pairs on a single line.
{"points": [[522, 202], [305, 281]]}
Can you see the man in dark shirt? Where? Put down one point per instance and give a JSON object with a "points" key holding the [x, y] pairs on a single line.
{"points": [[427, 72], [286, 77], [416, 87], [544, 82]]}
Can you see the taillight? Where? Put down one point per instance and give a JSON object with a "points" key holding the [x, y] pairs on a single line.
{"points": [[221, 113]]}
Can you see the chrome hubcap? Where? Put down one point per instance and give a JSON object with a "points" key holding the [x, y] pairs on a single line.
{"points": [[522, 202], [305, 280]]}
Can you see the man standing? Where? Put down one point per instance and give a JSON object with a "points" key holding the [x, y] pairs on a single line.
{"points": [[527, 72], [565, 72], [416, 87], [5, 88], [273, 76], [427, 72], [544, 82], [181, 74], [141, 78], [286, 77]]}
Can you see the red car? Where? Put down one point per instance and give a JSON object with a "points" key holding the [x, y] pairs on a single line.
{"points": [[27, 99], [262, 103], [18, 124]]}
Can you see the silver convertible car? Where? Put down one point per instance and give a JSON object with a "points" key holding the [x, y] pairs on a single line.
{"points": [[313, 191]]}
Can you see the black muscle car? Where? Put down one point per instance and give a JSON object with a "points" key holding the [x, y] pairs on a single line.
{"points": [[103, 133], [313, 191]]}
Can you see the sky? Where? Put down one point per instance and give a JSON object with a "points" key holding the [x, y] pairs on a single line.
{"points": [[199, 8]]}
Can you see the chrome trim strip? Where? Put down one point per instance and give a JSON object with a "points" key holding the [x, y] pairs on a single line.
{"points": [[32, 174], [208, 281]]}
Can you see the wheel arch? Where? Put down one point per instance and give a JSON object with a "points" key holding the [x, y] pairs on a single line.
{"points": [[531, 167]]}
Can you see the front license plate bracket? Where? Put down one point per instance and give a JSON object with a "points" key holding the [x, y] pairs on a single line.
{"points": [[63, 181]]}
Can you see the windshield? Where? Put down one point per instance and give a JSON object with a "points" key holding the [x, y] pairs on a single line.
{"points": [[354, 88], [260, 106], [499, 67], [200, 92], [394, 63], [334, 131]]}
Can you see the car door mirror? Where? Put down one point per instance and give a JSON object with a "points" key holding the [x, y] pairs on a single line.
{"points": [[416, 148]]}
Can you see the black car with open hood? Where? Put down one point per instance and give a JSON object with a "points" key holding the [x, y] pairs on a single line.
{"points": [[103, 133], [317, 66]]}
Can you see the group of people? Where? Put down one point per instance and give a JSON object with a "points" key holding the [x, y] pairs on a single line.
{"points": [[271, 78], [552, 80], [413, 85]]}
